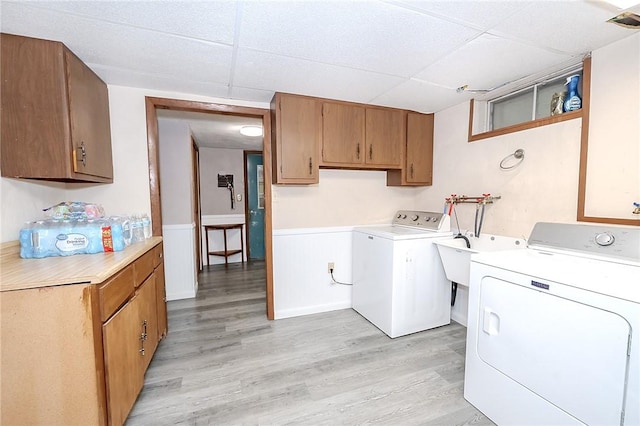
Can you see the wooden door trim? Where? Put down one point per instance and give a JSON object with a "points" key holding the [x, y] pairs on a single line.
{"points": [[195, 165], [153, 103]]}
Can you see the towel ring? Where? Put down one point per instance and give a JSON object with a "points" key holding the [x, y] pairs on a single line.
{"points": [[518, 155]]}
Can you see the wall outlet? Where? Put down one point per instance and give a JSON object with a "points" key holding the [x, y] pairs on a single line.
{"points": [[330, 267]]}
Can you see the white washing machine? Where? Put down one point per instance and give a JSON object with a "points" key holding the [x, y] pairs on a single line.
{"points": [[399, 284], [554, 330]]}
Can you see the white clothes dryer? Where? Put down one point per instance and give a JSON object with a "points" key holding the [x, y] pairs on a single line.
{"points": [[554, 330], [399, 284]]}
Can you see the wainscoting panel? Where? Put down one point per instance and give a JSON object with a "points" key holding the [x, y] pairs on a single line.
{"points": [[181, 280], [216, 241], [301, 282]]}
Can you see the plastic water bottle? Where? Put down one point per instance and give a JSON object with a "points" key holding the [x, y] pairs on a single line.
{"points": [[137, 229], [146, 226]]}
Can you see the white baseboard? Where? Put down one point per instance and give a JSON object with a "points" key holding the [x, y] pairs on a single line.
{"points": [[309, 310]]}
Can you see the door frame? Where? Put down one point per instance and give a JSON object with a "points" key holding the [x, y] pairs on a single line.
{"points": [[151, 105], [197, 214], [246, 197]]}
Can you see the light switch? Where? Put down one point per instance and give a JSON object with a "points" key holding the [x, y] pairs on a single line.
{"points": [[238, 197]]}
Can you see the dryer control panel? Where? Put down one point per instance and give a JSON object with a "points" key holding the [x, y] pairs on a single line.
{"points": [[615, 242]]}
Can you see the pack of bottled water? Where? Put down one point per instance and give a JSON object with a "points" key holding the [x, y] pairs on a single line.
{"points": [[79, 228]]}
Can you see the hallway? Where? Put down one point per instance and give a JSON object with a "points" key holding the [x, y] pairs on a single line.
{"points": [[224, 363]]}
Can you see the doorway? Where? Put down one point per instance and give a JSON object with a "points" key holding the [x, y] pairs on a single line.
{"points": [[152, 104]]}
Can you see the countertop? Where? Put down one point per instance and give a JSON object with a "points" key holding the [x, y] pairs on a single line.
{"points": [[19, 274]]}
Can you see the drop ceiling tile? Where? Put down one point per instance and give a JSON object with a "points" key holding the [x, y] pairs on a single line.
{"points": [[264, 71], [364, 35], [478, 14], [421, 97], [129, 78], [248, 94], [206, 20], [114, 45], [489, 61], [568, 26]]}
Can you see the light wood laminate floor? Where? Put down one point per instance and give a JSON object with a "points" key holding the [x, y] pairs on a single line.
{"points": [[224, 363]]}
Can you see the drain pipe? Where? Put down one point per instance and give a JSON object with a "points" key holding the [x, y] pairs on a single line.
{"points": [[454, 285]]}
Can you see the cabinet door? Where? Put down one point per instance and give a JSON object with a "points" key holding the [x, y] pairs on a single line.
{"points": [[52, 107], [34, 110], [385, 133], [296, 138], [419, 165], [161, 302], [343, 133], [148, 319], [89, 118], [123, 362]]}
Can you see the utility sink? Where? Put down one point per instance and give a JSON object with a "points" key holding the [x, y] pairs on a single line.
{"points": [[456, 257]]}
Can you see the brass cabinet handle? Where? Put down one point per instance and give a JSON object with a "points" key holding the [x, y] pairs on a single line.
{"points": [[144, 329], [83, 154], [358, 151], [310, 166], [370, 152], [411, 170]]}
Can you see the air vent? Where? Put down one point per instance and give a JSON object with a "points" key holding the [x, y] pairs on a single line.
{"points": [[627, 20]]}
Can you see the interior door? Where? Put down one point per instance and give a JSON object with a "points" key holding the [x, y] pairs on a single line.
{"points": [[571, 354], [255, 204]]}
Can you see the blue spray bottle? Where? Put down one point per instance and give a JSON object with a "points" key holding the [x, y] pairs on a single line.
{"points": [[572, 101]]}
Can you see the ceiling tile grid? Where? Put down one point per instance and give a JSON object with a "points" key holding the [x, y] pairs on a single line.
{"points": [[409, 54]]}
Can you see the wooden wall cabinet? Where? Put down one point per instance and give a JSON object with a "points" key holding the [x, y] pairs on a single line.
{"points": [[78, 353], [356, 136], [417, 169], [295, 138], [55, 114]]}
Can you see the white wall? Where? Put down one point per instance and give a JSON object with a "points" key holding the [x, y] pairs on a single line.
{"points": [[544, 187], [215, 200], [342, 198], [300, 259], [613, 171], [176, 183]]}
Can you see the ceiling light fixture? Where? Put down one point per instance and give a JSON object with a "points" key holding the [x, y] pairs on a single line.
{"points": [[251, 130]]}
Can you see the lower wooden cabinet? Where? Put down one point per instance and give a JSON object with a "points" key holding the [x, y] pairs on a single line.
{"points": [[124, 369], [78, 353]]}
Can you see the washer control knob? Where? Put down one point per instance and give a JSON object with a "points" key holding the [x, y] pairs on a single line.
{"points": [[605, 239], [404, 216], [399, 216], [414, 217], [434, 219]]}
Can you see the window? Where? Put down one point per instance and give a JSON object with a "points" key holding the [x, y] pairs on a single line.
{"points": [[526, 103], [531, 103]]}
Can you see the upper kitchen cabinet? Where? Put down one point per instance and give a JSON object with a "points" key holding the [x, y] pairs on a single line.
{"points": [[417, 167], [343, 133], [55, 114], [356, 136], [296, 122]]}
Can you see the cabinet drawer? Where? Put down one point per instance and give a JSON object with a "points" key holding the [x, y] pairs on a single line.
{"points": [[157, 255], [143, 267], [115, 292]]}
